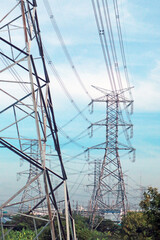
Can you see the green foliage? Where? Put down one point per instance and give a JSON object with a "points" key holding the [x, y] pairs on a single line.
{"points": [[84, 233], [82, 228], [145, 224], [108, 225], [46, 234], [19, 235], [151, 209], [134, 226], [21, 222]]}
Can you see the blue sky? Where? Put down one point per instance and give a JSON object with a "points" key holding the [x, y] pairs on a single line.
{"points": [[141, 35], [140, 27]]}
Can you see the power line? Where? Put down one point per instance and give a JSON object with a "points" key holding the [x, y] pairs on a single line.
{"points": [[117, 16], [61, 40], [56, 74]]}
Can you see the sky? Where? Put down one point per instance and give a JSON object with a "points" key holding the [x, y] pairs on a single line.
{"points": [[141, 36]]}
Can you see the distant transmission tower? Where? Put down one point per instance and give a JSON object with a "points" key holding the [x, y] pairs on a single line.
{"points": [[34, 190], [109, 196], [96, 174], [109, 191], [27, 114]]}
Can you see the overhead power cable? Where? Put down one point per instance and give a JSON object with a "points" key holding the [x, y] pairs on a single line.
{"points": [[113, 50], [71, 140], [116, 10], [77, 180], [55, 72], [111, 41], [79, 136], [115, 79], [73, 118], [59, 35], [101, 33]]}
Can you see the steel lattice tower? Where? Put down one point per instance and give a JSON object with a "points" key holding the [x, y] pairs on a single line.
{"points": [[110, 196], [28, 103], [34, 190]]}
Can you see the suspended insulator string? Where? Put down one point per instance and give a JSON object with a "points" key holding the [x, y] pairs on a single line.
{"points": [[59, 35]]}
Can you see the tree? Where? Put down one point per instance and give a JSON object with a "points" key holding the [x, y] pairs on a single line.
{"points": [[107, 225], [21, 222], [84, 233], [134, 226], [151, 209], [110, 228]]}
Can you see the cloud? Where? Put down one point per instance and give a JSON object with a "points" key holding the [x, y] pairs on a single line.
{"points": [[137, 21], [146, 93]]}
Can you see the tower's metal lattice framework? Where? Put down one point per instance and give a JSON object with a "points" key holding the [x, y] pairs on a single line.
{"points": [[109, 196], [27, 113], [34, 190]]}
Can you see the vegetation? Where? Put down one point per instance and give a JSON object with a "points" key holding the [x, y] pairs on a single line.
{"points": [[134, 226], [24, 234], [145, 224], [151, 210]]}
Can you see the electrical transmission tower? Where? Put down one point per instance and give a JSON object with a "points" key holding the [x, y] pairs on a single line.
{"points": [[109, 198], [109, 190], [34, 190], [27, 115]]}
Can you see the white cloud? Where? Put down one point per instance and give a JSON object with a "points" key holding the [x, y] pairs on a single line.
{"points": [[146, 93]]}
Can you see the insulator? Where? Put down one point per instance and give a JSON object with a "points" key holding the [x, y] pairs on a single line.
{"points": [[101, 32], [85, 154], [132, 108], [134, 155], [21, 162], [131, 132], [18, 177], [91, 131], [88, 155], [91, 107]]}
